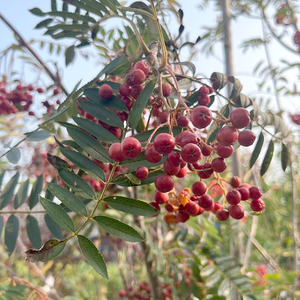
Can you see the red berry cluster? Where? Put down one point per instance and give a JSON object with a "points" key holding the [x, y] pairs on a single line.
{"points": [[142, 292], [193, 149], [259, 273], [16, 100], [203, 98], [181, 207]]}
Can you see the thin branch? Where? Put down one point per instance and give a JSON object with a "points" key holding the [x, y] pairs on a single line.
{"points": [[23, 43], [276, 36]]}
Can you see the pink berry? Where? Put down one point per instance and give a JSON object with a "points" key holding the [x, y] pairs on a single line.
{"points": [[141, 172], [206, 201], [201, 117], [222, 214], [199, 188], [160, 198], [164, 143], [142, 65], [257, 205], [255, 192], [236, 211], [136, 77], [227, 135], [233, 197], [105, 91], [124, 89], [245, 194], [152, 155], [166, 89], [240, 118], [246, 138], [115, 152], [164, 183], [131, 147], [190, 153], [219, 164]]}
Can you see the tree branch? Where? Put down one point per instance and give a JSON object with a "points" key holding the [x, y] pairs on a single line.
{"points": [[24, 44]]}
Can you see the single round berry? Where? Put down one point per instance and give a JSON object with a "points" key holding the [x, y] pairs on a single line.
{"points": [[183, 121], [236, 211], [136, 90], [181, 173], [142, 65], [141, 172], [190, 153], [124, 89], [199, 188], [181, 135], [40, 90], [164, 143], [227, 135], [206, 150], [131, 147], [55, 92], [122, 293], [192, 208], [245, 194], [224, 151], [235, 182], [164, 183], [152, 155], [174, 159], [219, 164], [160, 198], [222, 214], [115, 152], [233, 197], [166, 89], [163, 116], [206, 201], [105, 91], [257, 205], [203, 100], [240, 118], [201, 117], [246, 138], [170, 169], [255, 192], [136, 77], [217, 206]]}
